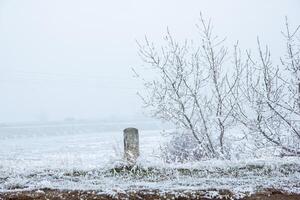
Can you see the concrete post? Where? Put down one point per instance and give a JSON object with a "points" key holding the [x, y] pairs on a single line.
{"points": [[131, 145]]}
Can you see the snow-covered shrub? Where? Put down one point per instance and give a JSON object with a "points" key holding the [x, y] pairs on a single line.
{"points": [[181, 147]]}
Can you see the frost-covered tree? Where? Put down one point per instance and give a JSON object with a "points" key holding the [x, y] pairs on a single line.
{"points": [[192, 88], [195, 89], [269, 96]]}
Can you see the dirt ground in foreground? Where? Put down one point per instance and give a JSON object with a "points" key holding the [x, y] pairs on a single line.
{"points": [[47, 194]]}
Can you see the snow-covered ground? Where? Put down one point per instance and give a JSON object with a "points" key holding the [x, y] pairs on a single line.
{"points": [[66, 146], [81, 157]]}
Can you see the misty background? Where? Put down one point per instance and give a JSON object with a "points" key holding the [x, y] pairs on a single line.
{"points": [[73, 59]]}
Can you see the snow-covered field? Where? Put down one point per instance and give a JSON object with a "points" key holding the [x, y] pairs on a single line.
{"points": [[29, 148], [82, 157]]}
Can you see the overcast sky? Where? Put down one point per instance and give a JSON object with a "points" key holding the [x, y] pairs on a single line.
{"points": [[62, 58]]}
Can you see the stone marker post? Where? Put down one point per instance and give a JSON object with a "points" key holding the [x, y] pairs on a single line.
{"points": [[131, 145]]}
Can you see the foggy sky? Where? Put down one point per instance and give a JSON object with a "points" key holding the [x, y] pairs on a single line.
{"points": [[67, 58]]}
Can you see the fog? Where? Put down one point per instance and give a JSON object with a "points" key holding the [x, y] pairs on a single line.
{"points": [[62, 59]]}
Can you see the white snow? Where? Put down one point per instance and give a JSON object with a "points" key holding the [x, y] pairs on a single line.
{"points": [[80, 158]]}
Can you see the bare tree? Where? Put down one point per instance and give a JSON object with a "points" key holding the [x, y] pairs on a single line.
{"points": [[192, 88], [269, 97]]}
